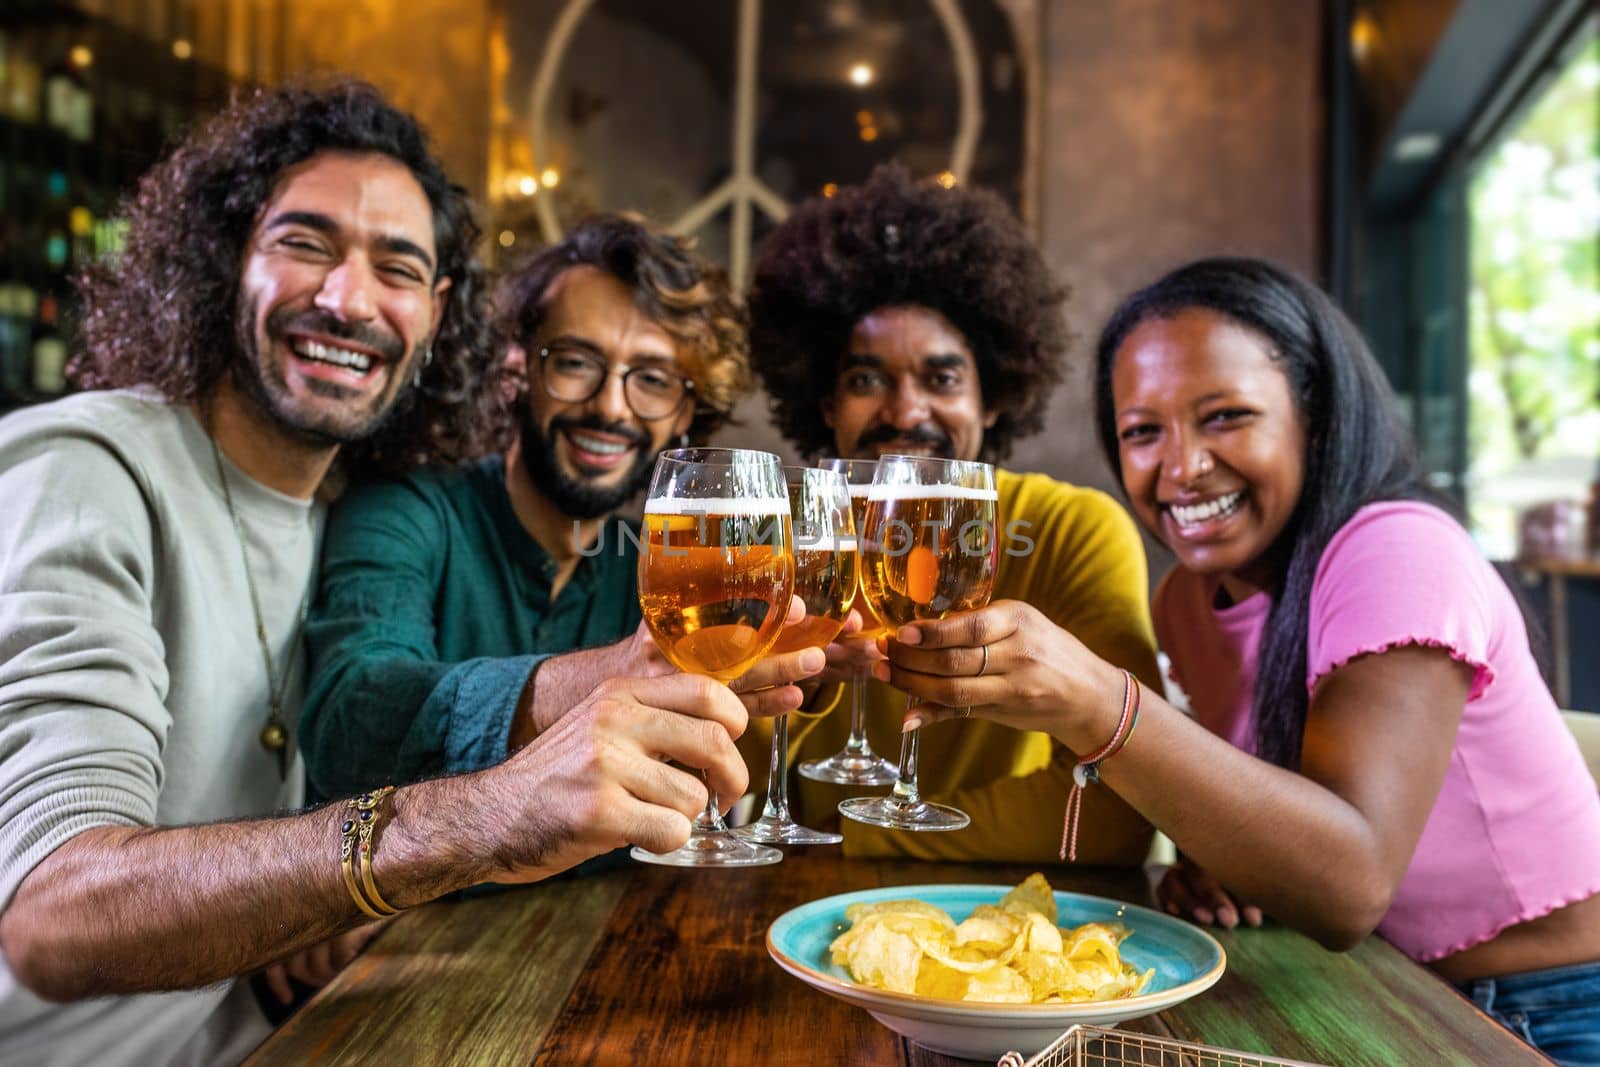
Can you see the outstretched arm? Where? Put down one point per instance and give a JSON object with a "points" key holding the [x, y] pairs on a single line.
{"points": [[116, 910], [1323, 850]]}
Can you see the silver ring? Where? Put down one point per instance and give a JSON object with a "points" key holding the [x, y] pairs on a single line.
{"points": [[985, 664]]}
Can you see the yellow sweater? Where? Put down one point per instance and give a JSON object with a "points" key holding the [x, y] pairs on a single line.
{"points": [[1086, 572]]}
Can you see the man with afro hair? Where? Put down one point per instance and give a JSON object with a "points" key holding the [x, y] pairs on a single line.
{"points": [[901, 317]]}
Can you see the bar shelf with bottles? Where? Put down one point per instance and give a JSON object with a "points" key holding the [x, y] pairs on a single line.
{"points": [[85, 108]]}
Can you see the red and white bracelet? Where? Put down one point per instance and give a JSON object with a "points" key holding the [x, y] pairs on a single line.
{"points": [[1087, 772]]}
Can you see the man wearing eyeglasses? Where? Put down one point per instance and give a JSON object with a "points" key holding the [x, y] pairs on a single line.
{"points": [[446, 597]]}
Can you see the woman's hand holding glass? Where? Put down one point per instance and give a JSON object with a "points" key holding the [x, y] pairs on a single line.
{"points": [[1007, 662]]}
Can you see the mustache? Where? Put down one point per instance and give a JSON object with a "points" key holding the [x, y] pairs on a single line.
{"points": [[595, 424], [285, 319], [917, 437]]}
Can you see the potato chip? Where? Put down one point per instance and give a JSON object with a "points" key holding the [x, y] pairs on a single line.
{"points": [[1010, 953], [1034, 894], [934, 979], [999, 985]]}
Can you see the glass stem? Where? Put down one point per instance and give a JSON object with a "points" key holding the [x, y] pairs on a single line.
{"points": [[856, 745], [777, 805], [905, 787], [710, 820]]}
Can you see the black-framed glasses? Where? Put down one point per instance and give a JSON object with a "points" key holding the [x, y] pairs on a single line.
{"points": [[575, 375]]}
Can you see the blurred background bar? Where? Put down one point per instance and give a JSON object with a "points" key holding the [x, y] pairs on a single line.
{"points": [[1433, 163]]}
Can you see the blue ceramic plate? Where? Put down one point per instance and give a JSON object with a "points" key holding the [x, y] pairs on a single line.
{"points": [[1186, 959]]}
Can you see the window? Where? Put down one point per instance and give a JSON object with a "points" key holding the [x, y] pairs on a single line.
{"points": [[1533, 422]]}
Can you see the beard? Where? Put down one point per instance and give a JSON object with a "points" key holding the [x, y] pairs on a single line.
{"points": [[264, 384], [573, 495]]}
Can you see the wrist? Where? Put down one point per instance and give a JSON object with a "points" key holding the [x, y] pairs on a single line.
{"points": [[1098, 706], [427, 846], [525, 722], [555, 685]]}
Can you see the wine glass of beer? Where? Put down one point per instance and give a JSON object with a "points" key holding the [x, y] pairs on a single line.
{"points": [[928, 550], [715, 580], [825, 578], [856, 763]]}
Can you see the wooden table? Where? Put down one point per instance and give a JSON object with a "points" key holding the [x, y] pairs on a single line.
{"points": [[658, 965]]}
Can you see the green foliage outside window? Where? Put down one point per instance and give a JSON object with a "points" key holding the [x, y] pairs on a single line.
{"points": [[1534, 385]]}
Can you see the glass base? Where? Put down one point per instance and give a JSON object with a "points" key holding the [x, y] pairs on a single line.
{"points": [[846, 769], [899, 814], [711, 849], [774, 831]]}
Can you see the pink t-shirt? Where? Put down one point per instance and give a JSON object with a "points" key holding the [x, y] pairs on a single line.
{"points": [[1515, 831]]}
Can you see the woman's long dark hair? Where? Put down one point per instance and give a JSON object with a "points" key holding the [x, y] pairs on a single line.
{"points": [[1357, 451]]}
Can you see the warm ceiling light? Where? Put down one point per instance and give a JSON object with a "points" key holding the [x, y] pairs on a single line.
{"points": [[869, 133], [527, 186], [947, 179], [863, 117], [861, 74], [1363, 31], [507, 238], [829, 189], [80, 56], [182, 48], [550, 177]]}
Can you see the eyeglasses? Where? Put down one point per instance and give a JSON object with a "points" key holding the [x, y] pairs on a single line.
{"points": [[576, 375]]}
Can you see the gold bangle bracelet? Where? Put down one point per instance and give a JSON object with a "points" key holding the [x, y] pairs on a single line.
{"points": [[345, 851], [356, 836], [368, 849]]}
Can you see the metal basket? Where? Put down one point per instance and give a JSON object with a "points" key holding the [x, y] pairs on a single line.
{"points": [[1094, 1046]]}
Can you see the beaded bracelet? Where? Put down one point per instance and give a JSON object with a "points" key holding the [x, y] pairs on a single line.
{"points": [[1087, 771], [356, 839]]}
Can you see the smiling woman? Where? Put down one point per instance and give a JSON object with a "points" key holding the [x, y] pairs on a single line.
{"points": [[1357, 670], [1211, 444]]}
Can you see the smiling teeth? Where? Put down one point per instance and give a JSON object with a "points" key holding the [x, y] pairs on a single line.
{"points": [[599, 448], [1211, 509], [339, 357]]}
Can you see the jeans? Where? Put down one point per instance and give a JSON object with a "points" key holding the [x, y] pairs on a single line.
{"points": [[1556, 1011]]}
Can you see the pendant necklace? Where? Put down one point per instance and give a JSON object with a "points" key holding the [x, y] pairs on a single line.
{"points": [[274, 735]]}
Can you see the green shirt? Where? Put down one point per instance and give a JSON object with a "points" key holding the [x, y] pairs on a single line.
{"points": [[432, 611]]}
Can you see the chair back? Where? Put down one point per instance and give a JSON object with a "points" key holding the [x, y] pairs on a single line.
{"points": [[1585, 726]]}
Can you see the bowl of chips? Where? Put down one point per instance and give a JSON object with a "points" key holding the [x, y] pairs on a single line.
{"points": [[979, 970]]}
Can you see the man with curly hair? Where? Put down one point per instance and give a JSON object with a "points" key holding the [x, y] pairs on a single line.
{"points": [[904, 317], [298, 293], [448, 594]]}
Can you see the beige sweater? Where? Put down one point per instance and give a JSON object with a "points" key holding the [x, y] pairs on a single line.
{"points": [[132, 688]]}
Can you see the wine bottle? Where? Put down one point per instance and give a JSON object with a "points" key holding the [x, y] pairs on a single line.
{"points": [[49, 350]]}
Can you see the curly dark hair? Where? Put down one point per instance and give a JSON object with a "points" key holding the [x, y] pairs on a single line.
{"points": [[685, 295], [895, 241], [164, 313]]}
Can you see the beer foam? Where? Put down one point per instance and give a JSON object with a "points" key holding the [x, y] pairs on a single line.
{"points": [[730, 508], [931, 492]]}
